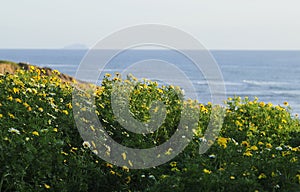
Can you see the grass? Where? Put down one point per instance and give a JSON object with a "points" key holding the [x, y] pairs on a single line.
{"points": [[258, 148]]}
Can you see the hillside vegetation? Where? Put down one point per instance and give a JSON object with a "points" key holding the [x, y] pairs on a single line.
{"points": [[258, 148]]}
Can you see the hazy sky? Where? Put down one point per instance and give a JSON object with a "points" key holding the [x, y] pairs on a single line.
{"points": [[218, 24]]}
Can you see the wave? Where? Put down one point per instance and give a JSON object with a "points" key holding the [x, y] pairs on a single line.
{"points": [[287, 93], [226, 83], [60, 66], [264, 83]]}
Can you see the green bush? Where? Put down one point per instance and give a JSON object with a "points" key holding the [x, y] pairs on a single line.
{"points": [[258, 148]]}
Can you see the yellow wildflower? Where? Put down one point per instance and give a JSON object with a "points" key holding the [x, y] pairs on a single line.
{"points": [[232, 177], [11, 115], [260, 143], [238, 123], [65, 112], [47, 186], [1, 115], [285, 103], [56, 72], [34, 91], [294, 159], [69, 105], [128, 179], [245, 143], [283, 121], [16, 90], [64, 153], [221, 169], [55, 130], [92, 128], [25, 104], [273, 174], [248, 154], [222, 142], [285, 153], [124, 156], [93, 144], [160, 90], [268, 145], [10, 98], [175, 169], [31, 68], [35, 133], [112, 172], [130, 163], [261, 104], [295, 148], [254, 148], [18, 100], [270, 104], [207, 171], [173, 164], [169, 151], [262, 176], [125, 168]]}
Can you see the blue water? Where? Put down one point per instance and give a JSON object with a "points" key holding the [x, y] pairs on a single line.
{"points": [[272, 76]]}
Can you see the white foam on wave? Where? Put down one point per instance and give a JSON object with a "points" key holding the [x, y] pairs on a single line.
{"points": [[265, 83], [226, 83]]}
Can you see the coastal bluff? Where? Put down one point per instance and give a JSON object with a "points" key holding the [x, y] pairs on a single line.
{"points": [[12, 67]]}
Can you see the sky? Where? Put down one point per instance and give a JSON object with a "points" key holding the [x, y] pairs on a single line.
{"points": [[217, 24]]}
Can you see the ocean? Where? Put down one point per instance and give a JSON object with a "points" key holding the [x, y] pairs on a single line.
{"points": [[272, 76]]}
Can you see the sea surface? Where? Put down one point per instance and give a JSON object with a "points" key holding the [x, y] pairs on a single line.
{"points": [[272, 76]]}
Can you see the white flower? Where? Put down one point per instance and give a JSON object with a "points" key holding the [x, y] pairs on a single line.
{"points": [[95, 151], [234, 141], [212, 156], [86, 144], [13, 130], [279, 148], [51, 115]]}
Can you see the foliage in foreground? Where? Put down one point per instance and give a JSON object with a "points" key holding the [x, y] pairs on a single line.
{"points": [[258, 148]]}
